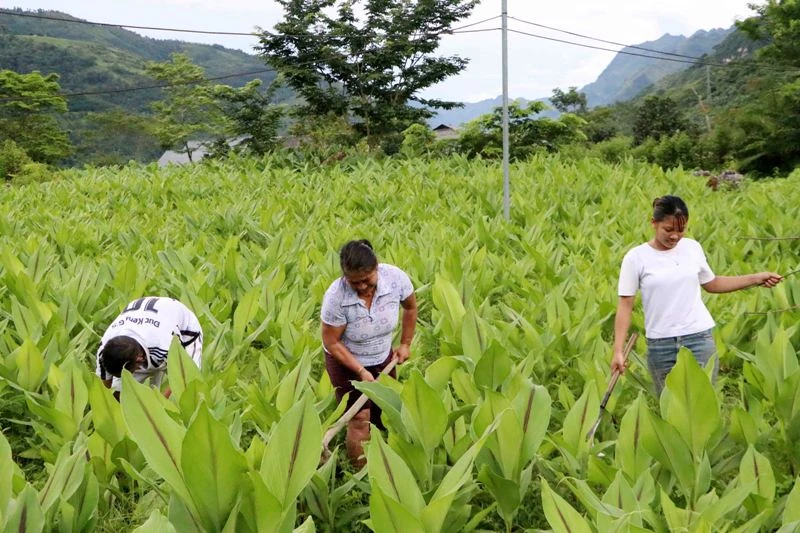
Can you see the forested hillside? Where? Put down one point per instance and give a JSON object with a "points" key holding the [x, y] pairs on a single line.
{"points": [[110, 61]]}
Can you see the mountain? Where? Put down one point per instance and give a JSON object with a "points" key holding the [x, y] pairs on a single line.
{"points": [[90, 58], [628, 75], [624, 78]]}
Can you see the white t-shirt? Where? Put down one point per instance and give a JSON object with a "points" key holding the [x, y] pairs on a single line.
{"points": [[670, 282], [152, 321], [368, 334]]}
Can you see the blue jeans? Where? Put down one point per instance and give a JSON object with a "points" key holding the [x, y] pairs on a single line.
{"points": [[662, 354]]}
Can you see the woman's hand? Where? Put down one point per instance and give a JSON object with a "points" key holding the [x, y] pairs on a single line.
{"points": [[402, 353], [618, 362], [365, 375], [768, 279]]}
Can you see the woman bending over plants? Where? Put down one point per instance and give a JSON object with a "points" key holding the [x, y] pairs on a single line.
{"points": [[669, 270]]}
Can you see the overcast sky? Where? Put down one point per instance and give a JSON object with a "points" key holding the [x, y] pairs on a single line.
{"points": [[536, 65]]}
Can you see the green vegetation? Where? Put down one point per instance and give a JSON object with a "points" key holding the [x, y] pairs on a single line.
{"points": [[369, 62], [487, 424]]}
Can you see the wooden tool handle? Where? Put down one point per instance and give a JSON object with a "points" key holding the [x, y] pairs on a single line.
{"points": [[354, 409]]}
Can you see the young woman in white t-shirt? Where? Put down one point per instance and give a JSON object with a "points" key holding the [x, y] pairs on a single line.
{"points": [[669, 271]]}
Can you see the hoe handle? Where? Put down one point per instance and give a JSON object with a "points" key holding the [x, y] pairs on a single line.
{"points": [[348, 415]]}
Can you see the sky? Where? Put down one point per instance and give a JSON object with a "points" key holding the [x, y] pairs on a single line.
{"points": [[536, 66]]}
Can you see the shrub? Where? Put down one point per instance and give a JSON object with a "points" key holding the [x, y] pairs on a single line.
{"points": [[12, 159]]}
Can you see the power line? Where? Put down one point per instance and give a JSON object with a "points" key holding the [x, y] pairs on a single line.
{"points": [[137, 88], [660, 58], [188, 82], [123, 26], [637, 47], [204, 32]]}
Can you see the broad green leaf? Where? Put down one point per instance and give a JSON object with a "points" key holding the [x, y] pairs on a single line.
{"points": [[180, 369], [6, 474], [561, 516], [156, 523], [473, 336], [68, 474], [106, 412], [389, 402], [25, 514], [292, 453], [506, 492], [389, 515], [212, 467], [506, 442], [158, 436], [293, 386], [690, 403], [30, 366], [438, 373], [72, 395], [665, 445], [743, 426], [388, 472], [791, 512], [492, 368], [306, 527], [532, 404], [629, 453], [756, 469], [579, 420], [423, 412], [245, 311]]}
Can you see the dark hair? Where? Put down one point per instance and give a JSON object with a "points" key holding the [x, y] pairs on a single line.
{"points": [[358, 256], [118, 353], [665, 206]]}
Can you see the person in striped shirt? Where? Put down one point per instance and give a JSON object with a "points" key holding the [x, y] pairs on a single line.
{"points": [[138, 340]]}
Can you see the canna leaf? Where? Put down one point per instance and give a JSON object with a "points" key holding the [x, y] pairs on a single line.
{"points": [[212, 467], [689, 403], [156, 523], [180, 369], [423, 412], [292, 453], [391, 475], [25, 514], [561, 516], [158, 436]]}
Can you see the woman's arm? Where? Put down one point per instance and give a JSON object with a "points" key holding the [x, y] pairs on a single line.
{"points": [[622, 322], [332, 341], [722, 284], [403, 352]]}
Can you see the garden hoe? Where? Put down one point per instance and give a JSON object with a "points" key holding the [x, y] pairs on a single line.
{"points": [[347, 416], [611, 385]]}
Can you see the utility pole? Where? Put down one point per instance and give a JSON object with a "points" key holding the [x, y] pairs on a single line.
{"points": [[506, 184], [708, 84]]}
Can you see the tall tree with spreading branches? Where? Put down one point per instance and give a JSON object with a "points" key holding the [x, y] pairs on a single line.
{"points": [[366, 60]]}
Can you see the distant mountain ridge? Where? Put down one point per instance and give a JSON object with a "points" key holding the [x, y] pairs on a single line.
{"points": [[628, 75], [95, 58], [623, 79]]}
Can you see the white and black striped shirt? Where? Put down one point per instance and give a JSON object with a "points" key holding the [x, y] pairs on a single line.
{"points": [[152, 321]]}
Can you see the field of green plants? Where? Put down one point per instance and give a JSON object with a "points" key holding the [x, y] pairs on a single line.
{"points": [[486, 425]]}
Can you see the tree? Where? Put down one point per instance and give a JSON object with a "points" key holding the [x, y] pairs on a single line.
{"points": [[367, 67], [571, 101], [251, 115], [527, 134], [656, 117], [417, 140], [776, 23], [28, 103], [189, 109]]}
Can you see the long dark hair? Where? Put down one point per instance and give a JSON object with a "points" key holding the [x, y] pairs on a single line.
{"points": [[358, 256], [666, 206]]}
